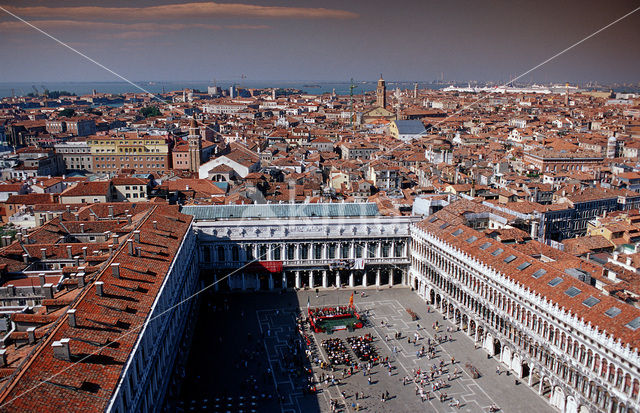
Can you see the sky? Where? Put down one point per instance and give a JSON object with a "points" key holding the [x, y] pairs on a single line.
{"points": [[423, 40]]}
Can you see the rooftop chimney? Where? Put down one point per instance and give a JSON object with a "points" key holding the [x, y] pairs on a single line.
{"points": [[110, 211], [19, 236], [115, 269], [3, 358], [61, 349], [82, 228], [84, 252], [68, 208], [31, 334], [136, 235], [25, 258], [72, 317], [100, 288], [116, 239], [47, 289], [130, 245], [155, 224], [128, 219], [70, 252], [42, 278], [43, 251]]}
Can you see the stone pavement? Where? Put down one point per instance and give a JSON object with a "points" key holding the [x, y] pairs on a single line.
{"points": [[221, 346], [389, 306]]}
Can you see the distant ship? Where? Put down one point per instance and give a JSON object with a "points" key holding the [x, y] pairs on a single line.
{"points": [[311, 86]]}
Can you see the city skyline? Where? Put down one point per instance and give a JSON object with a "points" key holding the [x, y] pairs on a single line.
{"points": [[324, 42]]}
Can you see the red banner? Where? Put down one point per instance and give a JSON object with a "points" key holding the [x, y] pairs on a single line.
{"points": [[268, 266]]}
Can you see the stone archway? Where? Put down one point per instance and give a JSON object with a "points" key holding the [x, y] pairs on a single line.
{"points": [[546, 388], [572, 405], [516, 364], [432, 296], [584, 409], [558, 398], [506, 355]]}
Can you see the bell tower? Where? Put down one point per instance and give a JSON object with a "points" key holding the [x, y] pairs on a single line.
{"points": [[195, 145], [381, 93]]}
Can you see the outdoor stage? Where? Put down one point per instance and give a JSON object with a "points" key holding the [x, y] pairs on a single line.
{"points": [[329, 319]]}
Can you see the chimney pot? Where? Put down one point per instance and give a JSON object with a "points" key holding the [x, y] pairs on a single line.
{"points": [[72, 317], [100, 288], [115, 269], [43, 279], [136, 235], [128, 219], [110, 211], [25, 258], [84, 252], [130, 245], [44, 253], [70, 252], [3, 358], [116, 239], [82, 228], [61, 349], [155, 224], [31, 334], [48, 291]]}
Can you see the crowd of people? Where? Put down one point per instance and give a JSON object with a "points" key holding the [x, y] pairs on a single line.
{"points": [[363, 347], [330, 311], [337, 352]]}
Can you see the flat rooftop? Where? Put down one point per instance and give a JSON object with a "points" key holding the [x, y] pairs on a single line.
{"points": [[328, 210]]}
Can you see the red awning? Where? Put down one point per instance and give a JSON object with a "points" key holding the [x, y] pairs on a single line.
{"points": [[268, 266]]}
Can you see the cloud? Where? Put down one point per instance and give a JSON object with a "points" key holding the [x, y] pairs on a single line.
{"points": [[178, 11], [122, 30]]}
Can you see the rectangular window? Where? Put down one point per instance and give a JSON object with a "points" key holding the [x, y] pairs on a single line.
{"points": [[457, 232], [555, 281], [539, 273], [485, 246], [591, 301], [633, 324], [497, 252], [510, 258], [471, 239], [572, 291], [524, 265], [612, 312]]}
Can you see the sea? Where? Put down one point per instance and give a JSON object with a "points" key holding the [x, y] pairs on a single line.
{"points": [[308, 87]]}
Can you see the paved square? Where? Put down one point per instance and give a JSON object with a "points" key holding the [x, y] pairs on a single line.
{"points": [[272, 318]]}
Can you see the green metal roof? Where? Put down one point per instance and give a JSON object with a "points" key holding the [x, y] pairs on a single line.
{"points": [[211, 212]]}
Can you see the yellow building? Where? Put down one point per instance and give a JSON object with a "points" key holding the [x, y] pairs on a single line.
{"points": [[144, 154]]}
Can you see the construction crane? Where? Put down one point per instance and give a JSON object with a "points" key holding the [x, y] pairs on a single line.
{"points": [[35, 89], [352, 122]]}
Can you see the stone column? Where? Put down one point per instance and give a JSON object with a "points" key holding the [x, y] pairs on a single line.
{"points": [[215, 281], [270, 281], [244, 285], [325, 280], [297, 279], [257, 282], [351, 279], [364, 279], [338, 280], [391, 273], [284, 280], [310, 278], [378, 277]]}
